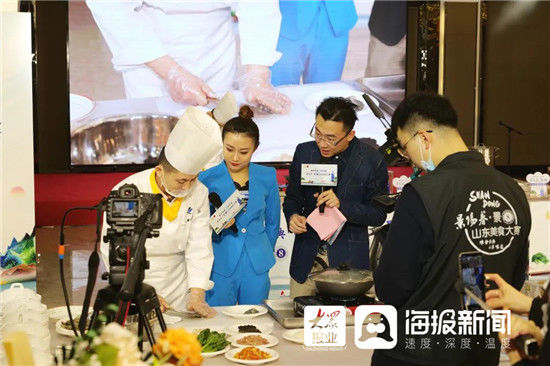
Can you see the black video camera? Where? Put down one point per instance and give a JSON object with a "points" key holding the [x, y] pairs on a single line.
{"points": [[125, 205], [129, 213], [389, 149]]}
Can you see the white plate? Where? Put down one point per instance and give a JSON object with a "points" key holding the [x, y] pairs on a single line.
{"points": [[215, 328], [170, 319], [273, 341], [238, 311], [265, 328], [217, 353], [60, 312], [313, 100], [66, 332], [294, 335], [230, 355], [80, 106]]}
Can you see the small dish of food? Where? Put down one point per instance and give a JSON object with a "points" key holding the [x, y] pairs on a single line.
{"points": [[252, 355], [264, 327], [253, 339], [244, 311], [213, 343]]}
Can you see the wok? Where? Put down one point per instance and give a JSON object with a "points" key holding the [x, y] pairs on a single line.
{"points": [[342, 281]]}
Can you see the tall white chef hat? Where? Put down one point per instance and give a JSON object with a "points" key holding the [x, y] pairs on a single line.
{"points": [[195, 140], [226, 108]]}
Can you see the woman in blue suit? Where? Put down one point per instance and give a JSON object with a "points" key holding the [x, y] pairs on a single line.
{"points": [[242, 260]]}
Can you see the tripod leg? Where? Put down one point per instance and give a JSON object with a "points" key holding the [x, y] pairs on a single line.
{"points": [[140, 333], [161, 319], [148, 329], [93, 319]]}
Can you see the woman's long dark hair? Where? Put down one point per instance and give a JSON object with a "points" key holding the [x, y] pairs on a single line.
{"points": [[243, 124]]}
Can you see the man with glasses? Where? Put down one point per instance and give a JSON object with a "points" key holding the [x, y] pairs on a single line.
{"points": [[362, 174], [460, 205]]}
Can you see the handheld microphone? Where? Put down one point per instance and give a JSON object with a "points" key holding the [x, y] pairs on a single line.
{"points": [[216, 201], [323, 160]]}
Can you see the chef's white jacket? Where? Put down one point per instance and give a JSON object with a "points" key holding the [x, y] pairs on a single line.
{"points": [[197, 34], [181, 256]]}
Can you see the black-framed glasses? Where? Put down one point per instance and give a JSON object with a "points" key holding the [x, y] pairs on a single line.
{"points": [[318, 136], [401, 149]]}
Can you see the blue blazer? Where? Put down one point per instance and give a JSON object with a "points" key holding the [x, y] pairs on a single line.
{"points": [[365, 176], [298, 16], [258, 222]]}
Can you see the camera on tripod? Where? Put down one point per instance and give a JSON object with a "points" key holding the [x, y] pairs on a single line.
{"points": [[125, 205], [128, 213]]}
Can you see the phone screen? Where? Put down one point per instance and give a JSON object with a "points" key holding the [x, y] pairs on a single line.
{"points": [[473, 277]]}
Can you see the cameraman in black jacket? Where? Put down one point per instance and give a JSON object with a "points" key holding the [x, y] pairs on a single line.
{"points": [[460, 205]]}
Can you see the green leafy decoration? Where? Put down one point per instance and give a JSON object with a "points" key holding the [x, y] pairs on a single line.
{"points": [[539, 258], [106, 354]]}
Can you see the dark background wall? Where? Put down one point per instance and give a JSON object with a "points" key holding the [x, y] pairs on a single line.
{"points": [[460, 64], [514, 76], [51, 88], [516, 80]]}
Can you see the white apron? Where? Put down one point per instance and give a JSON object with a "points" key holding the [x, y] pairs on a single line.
{"points": [[205, 46], [199, 35]]}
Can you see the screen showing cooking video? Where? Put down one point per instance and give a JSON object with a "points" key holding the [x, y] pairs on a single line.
{"points": [[473, 277], [125, 209], [136, 66]]}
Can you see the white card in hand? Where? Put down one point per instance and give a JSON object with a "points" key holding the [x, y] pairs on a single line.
{"points": [[227, 211], [319, 175]]}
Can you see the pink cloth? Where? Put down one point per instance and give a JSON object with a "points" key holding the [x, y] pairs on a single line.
{"points": [[328, 223]]}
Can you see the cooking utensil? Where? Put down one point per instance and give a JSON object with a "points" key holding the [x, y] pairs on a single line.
{"points": [[341, 281], [122, 139], [182, 314]]}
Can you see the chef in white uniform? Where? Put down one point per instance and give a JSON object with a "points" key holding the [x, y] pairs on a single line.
{"points": [[181, 256], [188, 49]]}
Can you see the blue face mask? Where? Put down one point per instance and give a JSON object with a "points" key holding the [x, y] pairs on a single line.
{"points": [[427, 165]]}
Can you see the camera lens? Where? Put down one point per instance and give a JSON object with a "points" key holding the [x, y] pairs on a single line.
{"points": [[120, 254]]}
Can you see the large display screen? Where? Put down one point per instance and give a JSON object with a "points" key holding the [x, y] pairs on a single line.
{"points": [[135, 66]]}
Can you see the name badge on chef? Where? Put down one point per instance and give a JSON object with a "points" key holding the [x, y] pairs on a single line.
{"points": [[319, 175], [227, 211]]}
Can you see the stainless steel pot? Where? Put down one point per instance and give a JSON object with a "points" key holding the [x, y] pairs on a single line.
{"points": [[342, 281], [123, 139]]}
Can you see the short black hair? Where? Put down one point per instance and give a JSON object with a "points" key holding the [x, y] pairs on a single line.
{"points": [[431, 107], [338, 109], [162, 161], [243, 124]]}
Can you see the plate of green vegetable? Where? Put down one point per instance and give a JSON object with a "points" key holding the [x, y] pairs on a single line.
{"points": [[213, 343]]}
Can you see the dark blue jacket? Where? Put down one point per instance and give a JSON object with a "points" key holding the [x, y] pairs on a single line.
{"points": [[364, 177]]}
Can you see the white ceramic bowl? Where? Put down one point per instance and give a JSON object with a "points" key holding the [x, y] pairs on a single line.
{"points": [[19, 293]]}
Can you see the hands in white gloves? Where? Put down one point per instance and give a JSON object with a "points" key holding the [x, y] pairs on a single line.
{"points": [[183, 86], [256, 86], [197, 303]]}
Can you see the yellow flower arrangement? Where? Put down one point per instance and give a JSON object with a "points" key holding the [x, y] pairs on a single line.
{"points": [[183, 346]]}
